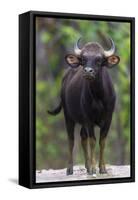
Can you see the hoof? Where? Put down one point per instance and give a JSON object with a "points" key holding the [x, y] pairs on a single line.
{"points": [[102, 171], [92, 172], [69, 171]]}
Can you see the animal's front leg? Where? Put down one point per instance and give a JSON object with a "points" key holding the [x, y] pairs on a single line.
{"points": [[92, 141], [103, 135], [93, 162], [102, 168], [85, 143]]}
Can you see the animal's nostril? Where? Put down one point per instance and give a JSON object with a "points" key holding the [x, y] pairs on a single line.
{"points": [[88, 69], [85, 69]]}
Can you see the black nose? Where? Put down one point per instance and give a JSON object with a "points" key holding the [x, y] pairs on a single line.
{"points": [[89, 69]]}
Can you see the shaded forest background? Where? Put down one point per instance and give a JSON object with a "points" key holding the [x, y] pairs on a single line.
{"points": [[54, 39]]}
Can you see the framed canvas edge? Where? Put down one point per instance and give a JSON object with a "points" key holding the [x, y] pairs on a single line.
{"points": [[32, 92], [24, 113]]}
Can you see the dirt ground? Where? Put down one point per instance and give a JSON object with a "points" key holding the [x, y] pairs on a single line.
{"points": [[81, 174]]}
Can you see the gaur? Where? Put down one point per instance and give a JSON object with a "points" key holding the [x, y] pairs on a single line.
{"points": [[88, 98]]}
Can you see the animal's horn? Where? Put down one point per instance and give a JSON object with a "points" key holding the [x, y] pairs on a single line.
{"points": [[112, 50], [77, 50]]}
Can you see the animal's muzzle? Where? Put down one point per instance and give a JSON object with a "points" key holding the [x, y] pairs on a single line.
{"points": [[89, 73]]}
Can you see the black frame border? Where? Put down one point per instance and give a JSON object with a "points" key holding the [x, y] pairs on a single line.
{"points": [[30, 142]]}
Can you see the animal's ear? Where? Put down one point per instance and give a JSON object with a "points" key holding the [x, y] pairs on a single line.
{"points": [[72, 60], [112, 61]]}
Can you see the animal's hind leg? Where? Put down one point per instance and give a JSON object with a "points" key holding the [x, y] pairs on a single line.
{"points": [[70, 130], [85, 143]]}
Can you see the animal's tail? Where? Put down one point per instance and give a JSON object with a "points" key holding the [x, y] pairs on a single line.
{"points": [[56, 110]]}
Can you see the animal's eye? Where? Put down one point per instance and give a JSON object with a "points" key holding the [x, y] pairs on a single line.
{"points": [[98, 61]]}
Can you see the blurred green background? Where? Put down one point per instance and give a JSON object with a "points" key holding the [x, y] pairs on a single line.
{"points": [[54, 39]]}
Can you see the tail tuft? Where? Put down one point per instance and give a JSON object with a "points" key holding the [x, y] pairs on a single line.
{"points": [[56, 110]]}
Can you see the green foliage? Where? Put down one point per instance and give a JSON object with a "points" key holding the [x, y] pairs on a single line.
{"points": [[55, 38]]}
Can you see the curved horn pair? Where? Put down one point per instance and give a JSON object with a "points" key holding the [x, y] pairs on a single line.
{"points": [[108, 53]]}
